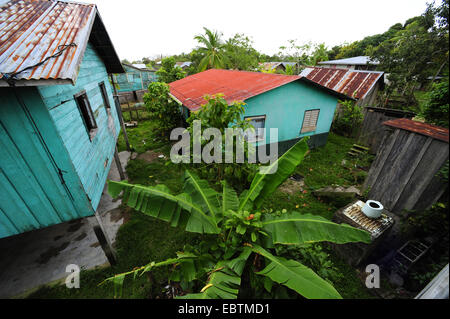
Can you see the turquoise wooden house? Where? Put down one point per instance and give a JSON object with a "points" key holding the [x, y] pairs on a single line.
{"points": [[58, 121], [294, 105], [137, 77]]}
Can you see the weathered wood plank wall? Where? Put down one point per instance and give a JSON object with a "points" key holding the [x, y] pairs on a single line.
{"points": [[372, 131], [91, 159], [403, 175]]}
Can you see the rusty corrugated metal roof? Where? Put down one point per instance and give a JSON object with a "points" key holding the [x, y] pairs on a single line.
{"points": [[436, 132], [353, 83], [32, 30], [235, 85]]}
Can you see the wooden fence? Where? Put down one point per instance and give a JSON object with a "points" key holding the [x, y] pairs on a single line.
{"points": [[372, 131], [404, 173]]}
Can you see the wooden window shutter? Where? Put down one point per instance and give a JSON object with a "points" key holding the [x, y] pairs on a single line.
{"points": [[310, 121]]}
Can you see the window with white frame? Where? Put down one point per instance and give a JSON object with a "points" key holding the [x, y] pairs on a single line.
{"points": [[310, 121], [259, 123]]}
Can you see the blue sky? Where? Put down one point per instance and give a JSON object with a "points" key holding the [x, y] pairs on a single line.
{"points": [[141, 28]]}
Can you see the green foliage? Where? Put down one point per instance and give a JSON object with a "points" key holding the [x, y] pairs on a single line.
{"points": [[239, 226], [162, 109], [307, 54], [315, 257], [430, 222], [415, 52], [348, 118], [216, 113], [211, 48], [436, 108], [240, 55], [169, 72]]}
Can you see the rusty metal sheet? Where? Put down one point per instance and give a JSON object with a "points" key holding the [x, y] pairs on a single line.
{"points": [[436, 132], [32, 30], [353, 83], [235, 85]]}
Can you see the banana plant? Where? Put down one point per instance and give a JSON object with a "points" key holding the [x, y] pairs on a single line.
{"points": [[236, 228]]}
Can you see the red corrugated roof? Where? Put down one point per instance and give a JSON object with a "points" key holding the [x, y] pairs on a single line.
{"points": [[433, 131], [235, 85], [353, 83]]}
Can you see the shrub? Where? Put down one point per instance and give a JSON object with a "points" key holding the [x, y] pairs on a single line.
{"points": [[348, 118], [216, 113], [436, 108], [162, 109]]}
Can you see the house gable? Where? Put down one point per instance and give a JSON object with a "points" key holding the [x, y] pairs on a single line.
{"points": [[285, 106]]}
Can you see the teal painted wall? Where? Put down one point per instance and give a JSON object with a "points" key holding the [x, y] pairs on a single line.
{"points": [[32, 194], [91, 159], [134, 80], [285, 106]]}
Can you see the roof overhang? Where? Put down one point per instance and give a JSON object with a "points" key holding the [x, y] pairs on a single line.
{"points": [[63, 69]]}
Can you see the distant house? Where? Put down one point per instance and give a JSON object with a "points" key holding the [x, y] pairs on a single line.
{"points": [[137, 77], [295, 105], [183, 65], [355, 63], [278, 67], [59, 125], [362, 86]]}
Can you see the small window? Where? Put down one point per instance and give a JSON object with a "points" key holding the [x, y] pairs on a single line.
{"points": [[104, 94], [310, 121], [259, 123], [86, 113]]}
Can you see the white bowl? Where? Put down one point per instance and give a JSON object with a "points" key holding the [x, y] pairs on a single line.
{"points": [[372, 209]]}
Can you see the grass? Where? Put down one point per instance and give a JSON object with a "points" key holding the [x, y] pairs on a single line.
{"points": [[144, 239]]}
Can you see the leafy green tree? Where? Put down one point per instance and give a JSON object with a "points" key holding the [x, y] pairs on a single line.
{"points": [[348, 118], [162, 109], [436, 109], [240, 54], [217, 113], [414, 53], [211, 47], [307, 54], [169, 72], [240, 233]]}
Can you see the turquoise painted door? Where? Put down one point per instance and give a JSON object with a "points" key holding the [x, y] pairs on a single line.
{"points": [[34, 192]]}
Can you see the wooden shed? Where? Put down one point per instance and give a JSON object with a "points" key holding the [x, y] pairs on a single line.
{"points": [[404, 175], [58, 123], [372, 131]]}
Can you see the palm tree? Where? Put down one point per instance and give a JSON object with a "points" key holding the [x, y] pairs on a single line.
{"points": [[211, 50]]}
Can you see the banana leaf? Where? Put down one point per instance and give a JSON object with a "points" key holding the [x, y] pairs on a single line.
{"points": [[296, 228], [296, 276], [223, 283], [158, 202], [265, 184]]}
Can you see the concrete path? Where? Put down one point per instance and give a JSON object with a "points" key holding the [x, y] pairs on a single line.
{"points": [[38, 257]]}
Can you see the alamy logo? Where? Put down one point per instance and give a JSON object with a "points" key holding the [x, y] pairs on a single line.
{"points": [[373, 277], [73, 279], [212, 152]]}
